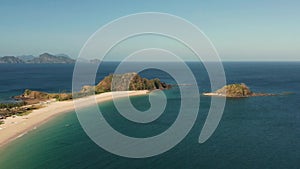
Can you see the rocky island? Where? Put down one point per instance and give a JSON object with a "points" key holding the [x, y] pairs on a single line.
{"points": [[125, 82], [236, 91], [49, 58], [45, 58], [10, 59], [41, 59]]}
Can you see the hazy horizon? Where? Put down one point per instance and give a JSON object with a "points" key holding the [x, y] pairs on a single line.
{"points": [[240, 31]]}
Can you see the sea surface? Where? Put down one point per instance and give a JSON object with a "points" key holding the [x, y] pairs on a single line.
{"points": [[257, 132]]}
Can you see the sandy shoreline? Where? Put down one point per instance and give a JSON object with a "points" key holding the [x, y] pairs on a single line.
{"points": [[19, 125], [213, 94]]}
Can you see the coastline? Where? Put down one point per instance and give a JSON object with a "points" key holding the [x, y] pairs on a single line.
{"points": [[213, 94], [228, 96], [17, 126], [222, 95]]}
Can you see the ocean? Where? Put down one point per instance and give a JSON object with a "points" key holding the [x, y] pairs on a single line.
{"points": [[256, 132]]}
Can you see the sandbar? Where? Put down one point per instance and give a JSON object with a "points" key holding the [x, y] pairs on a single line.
{"points": [[17, 126]]}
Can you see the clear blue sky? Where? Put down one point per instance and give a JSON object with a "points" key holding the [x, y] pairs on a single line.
{"points": [[240, 30]]}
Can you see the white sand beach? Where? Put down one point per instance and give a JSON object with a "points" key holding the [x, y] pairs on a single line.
{"points": [[16, 126], [213, 94]]}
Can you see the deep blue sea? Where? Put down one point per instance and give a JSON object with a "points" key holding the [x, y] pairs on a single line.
{"points": [[254, 133]]}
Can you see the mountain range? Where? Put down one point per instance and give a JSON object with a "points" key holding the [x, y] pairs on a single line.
{"points": [[11, 59], [43, 58]]}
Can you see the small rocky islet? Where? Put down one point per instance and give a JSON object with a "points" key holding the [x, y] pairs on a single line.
{"points": [[236, 91]]}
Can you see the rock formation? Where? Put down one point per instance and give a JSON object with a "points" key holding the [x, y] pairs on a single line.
{"points": [[236, 91]]}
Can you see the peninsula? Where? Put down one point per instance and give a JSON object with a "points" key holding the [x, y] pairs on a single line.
{"points": [[38, 107]]}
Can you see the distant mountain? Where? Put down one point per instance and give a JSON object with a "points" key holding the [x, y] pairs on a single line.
{"points": [[10, 59], [43, 58], [26, 58], [95, 61], [82, 60], [48, 58], [63, 55]]}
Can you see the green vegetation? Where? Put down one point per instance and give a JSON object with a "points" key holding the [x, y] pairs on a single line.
{"points": [[60, 96], [128, 81], [16, 109], [113, 82], [31, 97], [104, 85], [235, 90], [11, 105], [29, 110], [116, 82], [27, 92]]}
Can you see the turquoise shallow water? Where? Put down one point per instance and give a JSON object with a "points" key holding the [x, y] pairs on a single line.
{"points": [[258, 132]]}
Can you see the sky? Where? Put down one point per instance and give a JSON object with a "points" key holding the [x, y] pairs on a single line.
{"points": [[257, 30]]}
